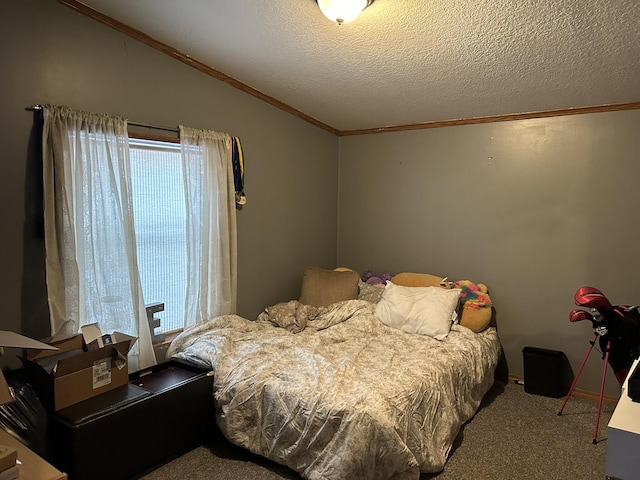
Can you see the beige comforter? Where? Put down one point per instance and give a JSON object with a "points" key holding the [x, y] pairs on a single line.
{"points": [[345, 397]]}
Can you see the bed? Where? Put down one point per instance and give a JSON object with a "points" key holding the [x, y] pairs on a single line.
{"points": [[333, 392]]}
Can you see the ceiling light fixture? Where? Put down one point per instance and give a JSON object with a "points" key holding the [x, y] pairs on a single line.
{"points": [[342, 11]]}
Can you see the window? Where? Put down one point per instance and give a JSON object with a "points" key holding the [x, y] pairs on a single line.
{"points": [[160, 227], [91, 221]]}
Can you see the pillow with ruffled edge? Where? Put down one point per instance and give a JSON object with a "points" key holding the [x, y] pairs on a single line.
{"points": [[420, 310], [370, 293], [322, 287]]}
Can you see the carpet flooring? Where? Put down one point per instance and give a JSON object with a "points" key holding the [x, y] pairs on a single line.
{"points": [[514, 435]]}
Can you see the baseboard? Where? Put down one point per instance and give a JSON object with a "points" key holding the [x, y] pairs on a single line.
{"points": [[586, 394]]}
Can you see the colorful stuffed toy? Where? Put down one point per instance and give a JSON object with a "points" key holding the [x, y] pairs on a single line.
{"points": [[476, 306]]}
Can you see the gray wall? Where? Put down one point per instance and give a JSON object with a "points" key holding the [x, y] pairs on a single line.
{"points": [[533, 208], [50, 54]]}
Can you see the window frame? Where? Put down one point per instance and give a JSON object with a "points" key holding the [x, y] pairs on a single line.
{"points": [[168, 335]]}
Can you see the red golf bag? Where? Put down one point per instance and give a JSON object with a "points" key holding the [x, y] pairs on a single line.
{"points": [[617, 326], [618, 329]]}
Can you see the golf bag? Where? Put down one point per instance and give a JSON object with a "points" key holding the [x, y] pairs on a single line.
{"points": [[617, 326], [618, 329]]}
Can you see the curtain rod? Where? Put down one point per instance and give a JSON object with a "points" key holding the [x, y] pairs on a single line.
{"points": [[35, 108], [155, 127]]}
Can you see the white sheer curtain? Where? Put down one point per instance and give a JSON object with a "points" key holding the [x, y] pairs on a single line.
{"points": [[211, 225], [91, 265]]}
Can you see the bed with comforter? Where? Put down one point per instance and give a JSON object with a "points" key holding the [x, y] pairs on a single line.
{"points": [[334, 393]]}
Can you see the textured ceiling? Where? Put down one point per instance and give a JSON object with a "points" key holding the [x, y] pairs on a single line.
{"points": [[406, 62]]}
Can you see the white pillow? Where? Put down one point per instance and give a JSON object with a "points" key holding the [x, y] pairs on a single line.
{"points": [[422, 310]]}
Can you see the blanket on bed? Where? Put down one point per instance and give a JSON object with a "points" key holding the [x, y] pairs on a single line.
{"points": [[344, 397]]}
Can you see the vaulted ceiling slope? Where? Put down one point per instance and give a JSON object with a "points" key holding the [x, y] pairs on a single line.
{"points": [[407, 62]]}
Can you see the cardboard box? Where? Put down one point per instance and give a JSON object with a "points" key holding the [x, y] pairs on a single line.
{"points": [[15, 340], [80, 369]]}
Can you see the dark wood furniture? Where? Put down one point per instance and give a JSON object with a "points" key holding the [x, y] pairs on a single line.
{"points": [[161, 413]]}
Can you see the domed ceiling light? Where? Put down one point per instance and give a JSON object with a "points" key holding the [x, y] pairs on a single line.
{"points": [[342, 11]]}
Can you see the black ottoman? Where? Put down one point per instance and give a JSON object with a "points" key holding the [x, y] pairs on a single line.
{"points": [[161, 413]]}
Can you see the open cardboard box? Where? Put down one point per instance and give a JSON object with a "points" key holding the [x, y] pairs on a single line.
{"points": [[82, 367], [14, 340]]}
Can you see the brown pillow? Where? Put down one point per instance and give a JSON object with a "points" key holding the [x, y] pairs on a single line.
{"points": [[408, 279], [322, 287]]}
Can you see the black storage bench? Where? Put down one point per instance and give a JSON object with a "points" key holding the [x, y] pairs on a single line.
{"points": [[162, 412]]}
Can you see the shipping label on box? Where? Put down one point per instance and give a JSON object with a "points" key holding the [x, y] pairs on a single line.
{"points": [[101, 373]]}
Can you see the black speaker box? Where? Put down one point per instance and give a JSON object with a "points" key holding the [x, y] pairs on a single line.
{"points": [[546, 372]]}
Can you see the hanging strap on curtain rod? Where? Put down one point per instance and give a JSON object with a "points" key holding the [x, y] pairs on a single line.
{"points": [[35, 108], [237, 161]]}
